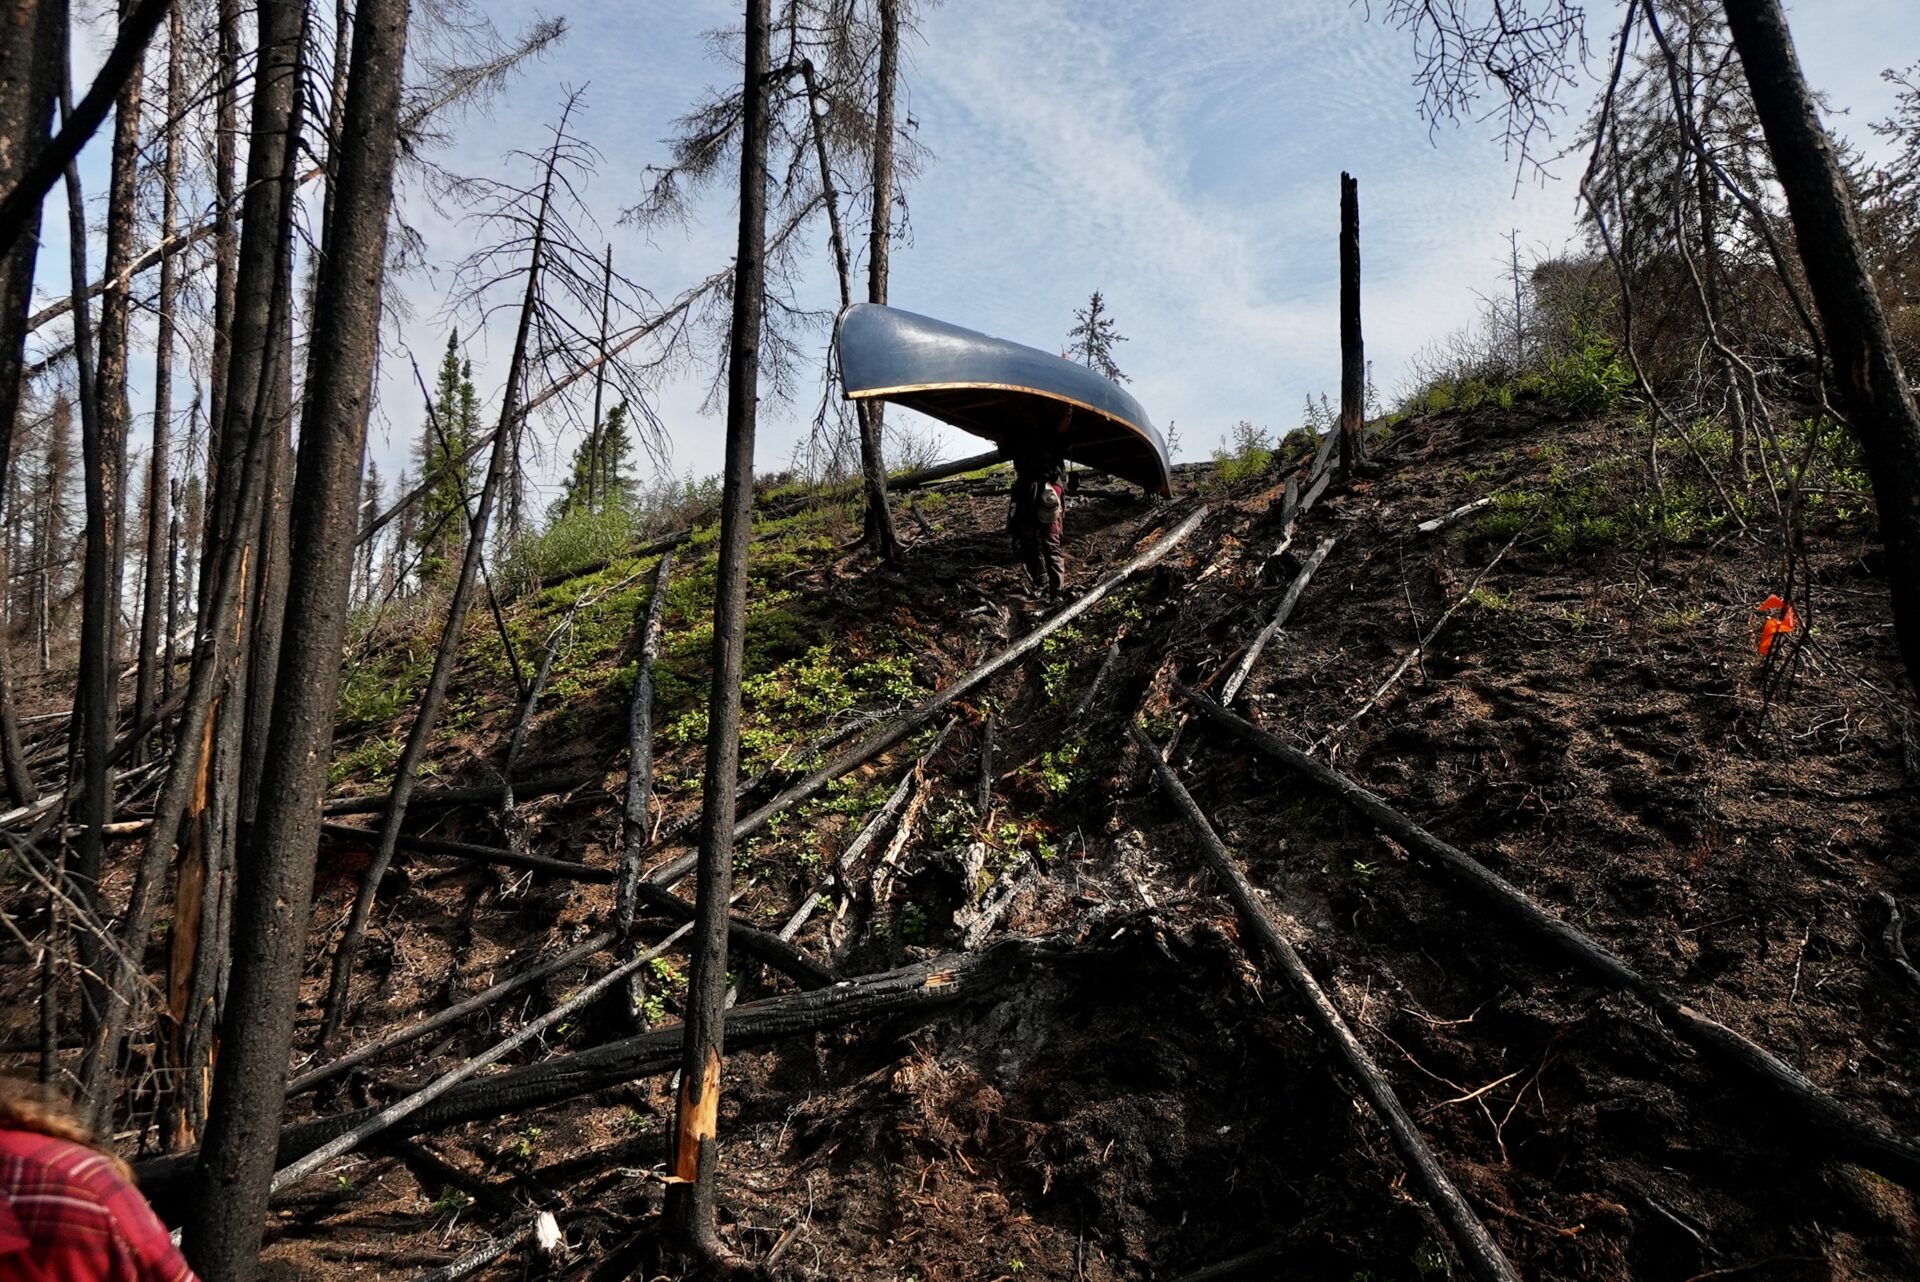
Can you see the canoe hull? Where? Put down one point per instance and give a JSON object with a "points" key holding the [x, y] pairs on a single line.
{"points": [[1004, 392]]}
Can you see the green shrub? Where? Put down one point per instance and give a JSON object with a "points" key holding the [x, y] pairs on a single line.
{"points": [[1247, 454], [574, 542], [1589, 377]]}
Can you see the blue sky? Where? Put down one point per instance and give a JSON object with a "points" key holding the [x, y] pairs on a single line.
{"points": [[1182, 158]]}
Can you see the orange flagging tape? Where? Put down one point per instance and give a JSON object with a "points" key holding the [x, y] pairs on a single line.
{"points": [[1775, 625]]}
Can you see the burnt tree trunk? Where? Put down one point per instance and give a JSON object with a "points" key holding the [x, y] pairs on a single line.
{"points": [[153, 609], [20, 200], [261, 323], [274, 892], [116, 313], [881, 537], [1353, 359], [596, 447], [1872, 390], [695, 1145], [30, 62], [93, 693]]}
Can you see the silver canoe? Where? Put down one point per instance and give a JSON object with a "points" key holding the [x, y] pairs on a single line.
{"points": [[1008, 393]]}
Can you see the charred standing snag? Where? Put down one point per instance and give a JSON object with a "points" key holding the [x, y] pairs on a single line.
{"points": [[276, 884], [639, 799], [694, 1150], [881, 537], [30, 66], [1850, 1137], [1353, 359], [1477, 1248]]}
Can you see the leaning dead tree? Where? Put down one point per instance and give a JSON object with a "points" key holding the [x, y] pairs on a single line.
{"points": [[529, 214]]}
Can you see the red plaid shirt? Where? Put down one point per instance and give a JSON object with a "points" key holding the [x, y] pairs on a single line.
{"points": [[67, 1216]]}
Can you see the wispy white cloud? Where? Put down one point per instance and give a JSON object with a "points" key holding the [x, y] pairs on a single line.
{"points": [[1181, 157]]}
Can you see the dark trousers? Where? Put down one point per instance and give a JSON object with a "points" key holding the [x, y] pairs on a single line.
{"points": [[1045, 558]]}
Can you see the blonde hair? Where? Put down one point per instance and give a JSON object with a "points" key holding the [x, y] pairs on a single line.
{"points": [[29, 1106]]}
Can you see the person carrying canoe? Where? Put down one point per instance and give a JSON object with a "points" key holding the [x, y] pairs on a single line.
{"points": [[1039, 510]]}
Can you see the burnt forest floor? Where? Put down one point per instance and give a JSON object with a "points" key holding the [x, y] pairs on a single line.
{"points": [[1594, 723]]}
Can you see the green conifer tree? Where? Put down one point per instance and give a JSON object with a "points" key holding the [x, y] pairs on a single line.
{"points": [[1092, 341], [598, 481], [446, 437]]}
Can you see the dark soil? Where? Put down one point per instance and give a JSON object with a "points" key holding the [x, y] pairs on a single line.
{"points": [[1594, 723]]}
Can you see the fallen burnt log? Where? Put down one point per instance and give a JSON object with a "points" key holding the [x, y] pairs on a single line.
{"points": [[375, 803], [398, 1111], [452, 1014], [1850, 1137], [569, 869], [894, 731], [923, 986], [763, 945], [1482, 1254]]}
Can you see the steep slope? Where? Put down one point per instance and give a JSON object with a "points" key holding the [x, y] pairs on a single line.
{"points": [[1593, 722]]}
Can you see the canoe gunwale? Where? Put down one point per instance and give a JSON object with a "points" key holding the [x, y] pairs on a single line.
{"points": [[907, 389]]}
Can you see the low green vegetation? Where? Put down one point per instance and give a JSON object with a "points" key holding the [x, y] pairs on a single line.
{"points": [[1246, 453], [1588, 377]]}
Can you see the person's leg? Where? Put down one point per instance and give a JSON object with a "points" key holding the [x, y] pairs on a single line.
{"points": [[1056, 559], [1032, 553]]}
